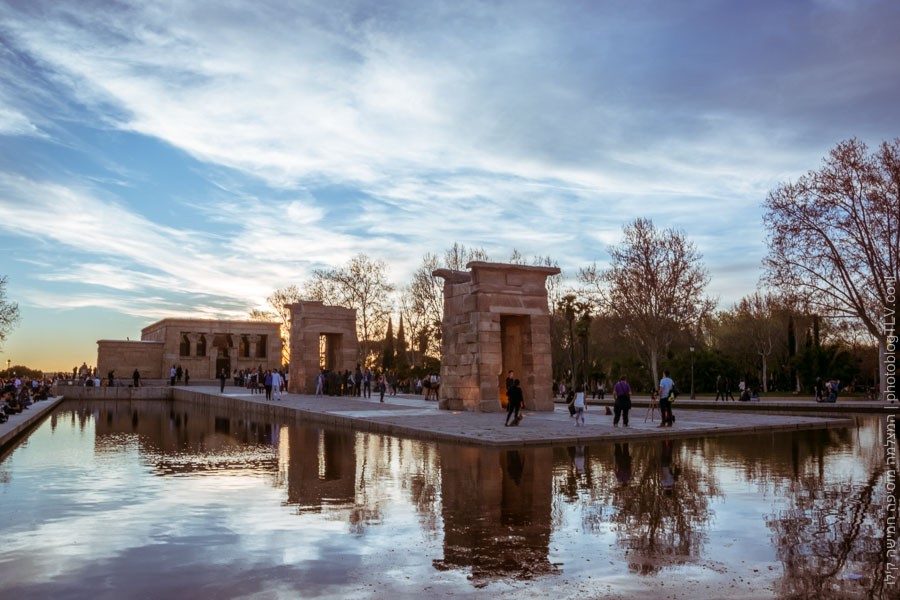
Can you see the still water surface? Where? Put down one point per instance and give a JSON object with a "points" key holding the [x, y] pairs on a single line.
{"points": [[161, 500]]}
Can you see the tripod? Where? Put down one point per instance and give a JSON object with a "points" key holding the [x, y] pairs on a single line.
{"points": [[652, 408]]}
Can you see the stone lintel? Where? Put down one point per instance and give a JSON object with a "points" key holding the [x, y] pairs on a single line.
{"points": [[477, 265], [511, 311]]}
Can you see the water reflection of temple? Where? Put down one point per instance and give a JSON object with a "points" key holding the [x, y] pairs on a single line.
{"points": [[321, 468], [497, 510]]}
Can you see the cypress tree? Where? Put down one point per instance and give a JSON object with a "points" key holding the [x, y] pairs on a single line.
{"points": [[401, 359], [387, 359]]}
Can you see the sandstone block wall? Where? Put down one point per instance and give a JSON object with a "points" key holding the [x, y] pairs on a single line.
{"points": [[495, 319], [123, 357]]}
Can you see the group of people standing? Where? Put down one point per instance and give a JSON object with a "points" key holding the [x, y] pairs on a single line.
{"points": [[355, 383], [271, 382], [666, 392], [177, 374]]}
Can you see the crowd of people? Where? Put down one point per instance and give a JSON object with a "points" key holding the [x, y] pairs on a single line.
{"points": [[271, 382], [362, 382], [17, 394]]}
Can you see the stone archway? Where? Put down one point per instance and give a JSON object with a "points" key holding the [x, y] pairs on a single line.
{"points": [[496, 318], [321, 337]]}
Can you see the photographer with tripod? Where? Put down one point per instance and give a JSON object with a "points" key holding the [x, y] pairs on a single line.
{"points": [[667, 393]]}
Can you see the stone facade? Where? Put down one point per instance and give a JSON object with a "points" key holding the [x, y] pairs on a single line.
{"points": [[123, 357], [201, 346], [495, 319], [321, 336]]}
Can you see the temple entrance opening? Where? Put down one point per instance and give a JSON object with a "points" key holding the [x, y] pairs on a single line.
{"points": [[329, 350], [513, 334]]}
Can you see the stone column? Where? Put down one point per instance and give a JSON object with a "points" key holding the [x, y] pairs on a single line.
{"points": [[253, 341], [193, 338], [213, 354]]}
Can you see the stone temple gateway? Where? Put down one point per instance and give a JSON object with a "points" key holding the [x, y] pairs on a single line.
{"points": [[495, 319], [321, 336]]}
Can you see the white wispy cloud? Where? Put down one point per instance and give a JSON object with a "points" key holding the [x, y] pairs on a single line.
{"points": [[540, 126]]}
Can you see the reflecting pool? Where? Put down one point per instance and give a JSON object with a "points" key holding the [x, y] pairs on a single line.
{"points": [[161, 500]]}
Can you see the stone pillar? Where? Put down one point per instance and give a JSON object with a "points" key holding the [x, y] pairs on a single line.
{"points": [[213, 354], [193, 338], [253, 341]]}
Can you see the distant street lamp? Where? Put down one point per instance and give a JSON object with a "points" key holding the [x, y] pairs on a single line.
{"points": [[692, 373]]}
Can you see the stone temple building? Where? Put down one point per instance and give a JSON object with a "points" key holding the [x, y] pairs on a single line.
{"points": [[496, 319], [203, 347]]}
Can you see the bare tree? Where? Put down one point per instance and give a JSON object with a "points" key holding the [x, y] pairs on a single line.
{"points": [[655, 286], [362, 285], [422, 303], [9, 312], [554, 282], [279, 300], [516, 258], [458, 256], [593, 284], [834, 237], [755, 323]]}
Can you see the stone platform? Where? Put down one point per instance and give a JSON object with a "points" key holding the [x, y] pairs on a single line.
{"points": [[411, 416]]}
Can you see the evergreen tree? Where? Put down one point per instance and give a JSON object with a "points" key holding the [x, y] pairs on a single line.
{"points": [[387, 359], [401, 358]]}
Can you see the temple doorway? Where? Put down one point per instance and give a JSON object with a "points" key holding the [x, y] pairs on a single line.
{"points": [[330, 351], [513, 334]]}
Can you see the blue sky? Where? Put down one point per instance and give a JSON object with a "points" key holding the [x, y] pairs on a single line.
{"points": [[186, 158]]}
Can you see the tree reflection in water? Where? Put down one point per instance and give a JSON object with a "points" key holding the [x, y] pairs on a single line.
{"points": [[494, 512], [657, 499], [833, 537]]}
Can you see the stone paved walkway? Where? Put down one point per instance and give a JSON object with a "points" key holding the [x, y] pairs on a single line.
{"points": [[411, 416], [414, 417]]}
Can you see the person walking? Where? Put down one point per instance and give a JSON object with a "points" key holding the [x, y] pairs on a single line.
{"points": [[382, 386], [728, 393], [136, 377], [514, 403], [580, 406], [222, 378], [267, 384], [622, 393], [187, 377], [666, 386], [720, 388], [320, 383], [277, 380], [172, 375]]}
